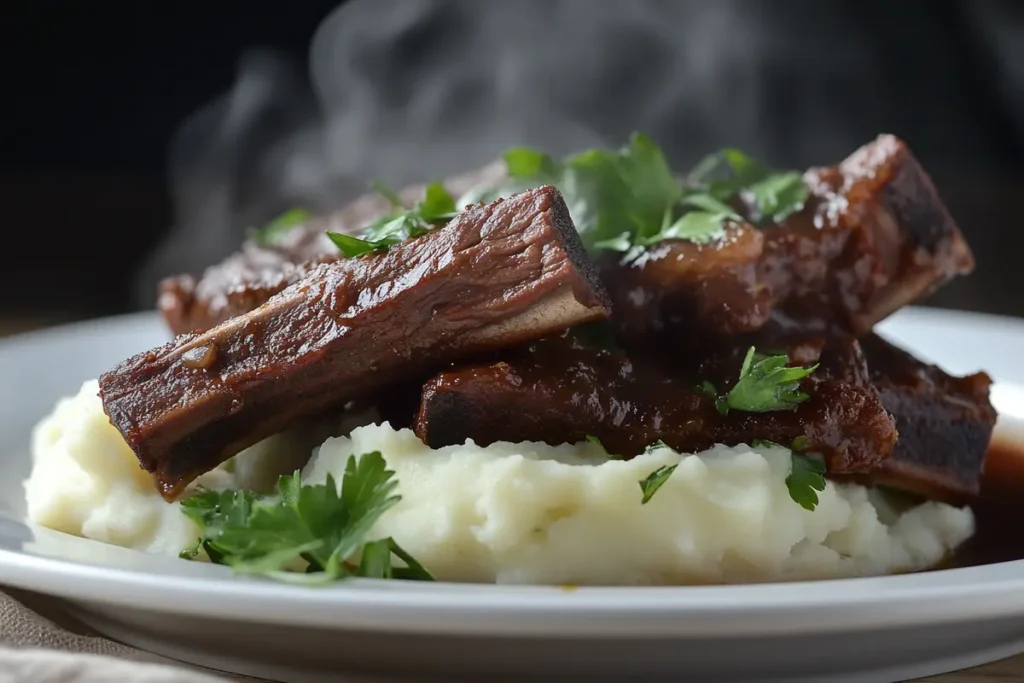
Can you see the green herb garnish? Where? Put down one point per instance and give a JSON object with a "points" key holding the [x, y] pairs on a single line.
{"points": [[597, 442], [629, 199], [437, 207], [654, 481], [807, 474], [766, 383], [775, 194], [655, 446], [283, 224], [304, 533], [607, 192], [658, 477], [801, 443], [805, 479]]}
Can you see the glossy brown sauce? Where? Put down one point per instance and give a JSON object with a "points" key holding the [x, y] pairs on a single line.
{"points": [[999, 511]]}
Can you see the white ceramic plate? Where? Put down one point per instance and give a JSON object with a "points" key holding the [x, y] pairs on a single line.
{"points": [[876, 629]]}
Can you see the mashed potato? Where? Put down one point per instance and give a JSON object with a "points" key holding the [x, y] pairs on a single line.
{"points": [[522, 513], [86, 481]]}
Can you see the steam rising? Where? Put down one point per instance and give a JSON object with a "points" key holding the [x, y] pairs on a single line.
{"points": [[413, 90]]}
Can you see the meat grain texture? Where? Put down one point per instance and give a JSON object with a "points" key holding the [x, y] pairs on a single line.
{"points": [[497, 275]]}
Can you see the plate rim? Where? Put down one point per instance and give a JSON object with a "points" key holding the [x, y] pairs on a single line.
{"points": [[950, 595]]}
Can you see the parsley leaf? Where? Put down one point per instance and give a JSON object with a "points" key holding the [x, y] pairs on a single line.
{"points": [[699, 227], [630, 199], [656, 445], [775, 194], [437, 207], [779, 195], [805, 479], [807, 473], [353, 246], [522, 163], [707, 388], [766, 384], [312, 525], [597, 442], [654, 481], [283, 224], [607, 192]]}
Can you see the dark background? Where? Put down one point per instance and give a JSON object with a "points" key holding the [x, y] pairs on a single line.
{"points": [[94, 93]]}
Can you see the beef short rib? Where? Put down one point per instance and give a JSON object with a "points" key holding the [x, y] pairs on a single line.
{"points": [[561, 392], [260, 270], [873, 237], [499, 274], [945, 424]]}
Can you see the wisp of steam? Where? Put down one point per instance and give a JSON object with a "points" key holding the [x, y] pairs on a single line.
{"points": [[407, 91]]}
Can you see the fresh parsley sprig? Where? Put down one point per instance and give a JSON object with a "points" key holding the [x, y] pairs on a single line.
{"points": [[629, 199], [608, 192], [765, 384], [654, 481], [437, 207], [804, 481], [729, 173], [304, 533], [282, 225], [806, 477]]}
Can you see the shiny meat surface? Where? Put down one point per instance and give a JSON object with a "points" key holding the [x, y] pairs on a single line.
{"points": [[873, 237], [561, 392], [248, 278], [497, 275], [945, 424]]}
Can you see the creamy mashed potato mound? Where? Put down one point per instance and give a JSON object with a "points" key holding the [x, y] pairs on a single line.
{"points": [[524, 512]]}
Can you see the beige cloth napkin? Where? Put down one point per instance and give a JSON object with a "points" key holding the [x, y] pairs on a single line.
{"points": [[39, 643]]}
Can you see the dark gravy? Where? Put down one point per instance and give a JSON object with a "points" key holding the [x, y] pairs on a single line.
{"points": [[1000, 509]]}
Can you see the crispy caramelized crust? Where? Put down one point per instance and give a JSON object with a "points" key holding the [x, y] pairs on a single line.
{"points": [[257, 272], [873, 237], [945, 424], [497, 275], [558, 392]]}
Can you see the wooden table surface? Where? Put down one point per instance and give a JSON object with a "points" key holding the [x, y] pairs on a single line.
{"points": [[1006, 671]]}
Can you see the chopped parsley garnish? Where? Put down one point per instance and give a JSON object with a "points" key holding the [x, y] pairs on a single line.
{"points": [[766, 383], [775, 194], [282, 225], [801, 443], [805, 479], [607, 192], [629, 199], [807, 474], [620, 200], [436, 208], [654, 481], [304, 533], [655, 446], [597, 442]]}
